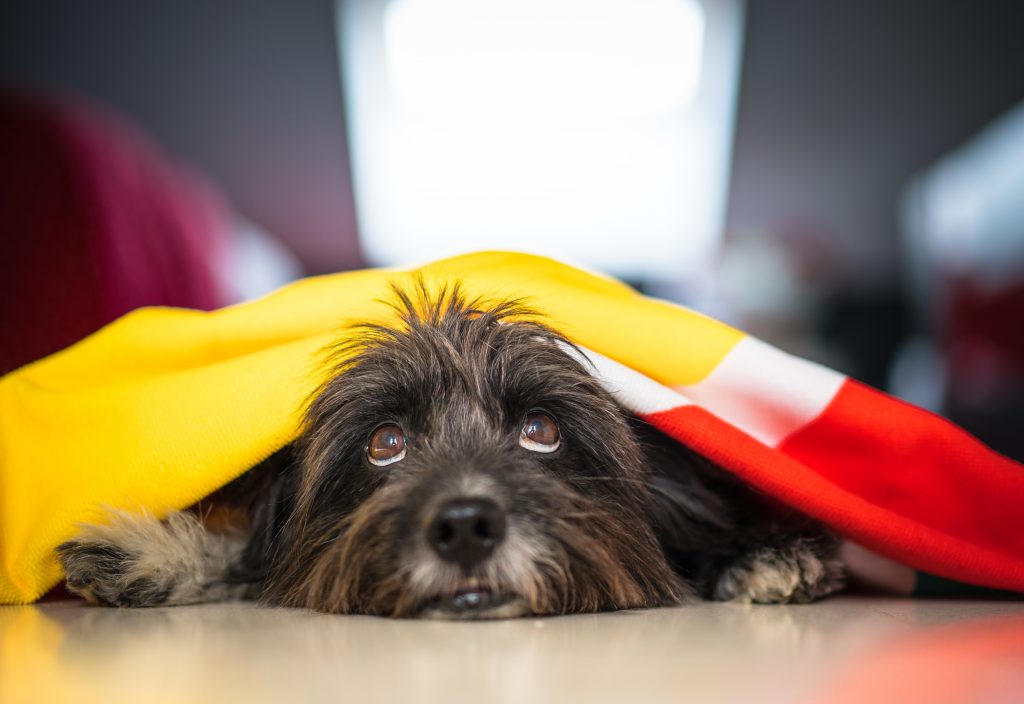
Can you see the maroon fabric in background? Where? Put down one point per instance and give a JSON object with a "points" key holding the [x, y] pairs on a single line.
{"points": [[94, 222], [984, 329]]}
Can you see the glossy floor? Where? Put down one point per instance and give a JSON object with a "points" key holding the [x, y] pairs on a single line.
{"points": [[845, 649]]}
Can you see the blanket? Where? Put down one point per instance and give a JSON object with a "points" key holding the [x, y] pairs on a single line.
{"points": [[163, 406]]}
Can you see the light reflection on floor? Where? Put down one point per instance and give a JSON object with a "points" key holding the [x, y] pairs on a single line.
{"points": [[845, 649]]}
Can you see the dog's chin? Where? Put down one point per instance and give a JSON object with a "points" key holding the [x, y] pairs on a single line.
{"points": [[473, 601]]}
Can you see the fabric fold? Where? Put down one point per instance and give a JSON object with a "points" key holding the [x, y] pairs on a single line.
{"points": [[163, 406]]}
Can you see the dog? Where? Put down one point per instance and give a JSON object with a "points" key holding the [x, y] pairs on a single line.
{"points": [[464, 463]]}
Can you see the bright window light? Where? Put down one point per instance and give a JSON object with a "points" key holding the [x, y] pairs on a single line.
{"points": [[513, 60], [596, 131]]}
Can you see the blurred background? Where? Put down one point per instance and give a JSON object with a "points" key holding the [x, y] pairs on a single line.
{"points": [[844, 180]]}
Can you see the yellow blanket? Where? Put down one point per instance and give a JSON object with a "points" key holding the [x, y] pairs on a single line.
{"points": [[163, 406]]}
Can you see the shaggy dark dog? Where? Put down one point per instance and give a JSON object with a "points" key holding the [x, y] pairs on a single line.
{"points": [[464, 464]]}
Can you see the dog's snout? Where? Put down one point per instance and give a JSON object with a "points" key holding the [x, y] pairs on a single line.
{"points": [[466, 530]]}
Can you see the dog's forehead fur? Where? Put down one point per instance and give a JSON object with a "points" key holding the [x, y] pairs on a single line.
{"points": [[499, 360], [457, 374]]}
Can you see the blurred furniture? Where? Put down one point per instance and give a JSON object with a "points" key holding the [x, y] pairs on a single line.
{"points": [[96, 222], [99, 221], [964, 226]]}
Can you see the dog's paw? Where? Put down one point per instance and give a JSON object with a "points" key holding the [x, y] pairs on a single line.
{"points": [[771, 575], [137, 560], [107, 575]]}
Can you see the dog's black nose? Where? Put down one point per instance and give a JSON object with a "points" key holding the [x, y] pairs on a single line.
{"points": [[466, 530]]}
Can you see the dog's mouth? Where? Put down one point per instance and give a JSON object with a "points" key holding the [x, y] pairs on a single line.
{"points": [[474, 599]]}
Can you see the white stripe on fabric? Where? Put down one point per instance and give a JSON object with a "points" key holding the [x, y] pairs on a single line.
{"points": [[634, 391], [765, 392]]}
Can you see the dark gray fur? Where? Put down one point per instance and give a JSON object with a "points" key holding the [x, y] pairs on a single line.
{"points": [[617, 517]]}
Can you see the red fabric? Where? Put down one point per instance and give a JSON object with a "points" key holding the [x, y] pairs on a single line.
{"points": [[96, 222], [903, 482]]}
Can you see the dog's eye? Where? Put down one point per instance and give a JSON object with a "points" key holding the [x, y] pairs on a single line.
{"points": [[539, 433], [387, 445]]}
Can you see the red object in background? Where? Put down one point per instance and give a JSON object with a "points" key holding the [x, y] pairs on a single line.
{"points": [[984, 336], [95, 222]]}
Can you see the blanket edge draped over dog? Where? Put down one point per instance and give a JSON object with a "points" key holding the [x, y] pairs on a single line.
{"points": [[163, 406]]}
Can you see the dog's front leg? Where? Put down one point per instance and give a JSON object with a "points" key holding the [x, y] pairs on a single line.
{"points": [[798, 569], [141, 561]]}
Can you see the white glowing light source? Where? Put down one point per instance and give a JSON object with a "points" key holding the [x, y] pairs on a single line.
{"points": [[596, 131], [541, 59]]}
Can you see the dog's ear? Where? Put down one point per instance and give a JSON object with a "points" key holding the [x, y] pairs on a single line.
{"points": [[687, 511], [266, 493]]}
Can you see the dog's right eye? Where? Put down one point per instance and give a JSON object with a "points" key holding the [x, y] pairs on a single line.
{"points": [[387, 445], [539, 433]]}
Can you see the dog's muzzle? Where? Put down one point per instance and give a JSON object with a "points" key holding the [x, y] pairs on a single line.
{"points": [[465, 531]]}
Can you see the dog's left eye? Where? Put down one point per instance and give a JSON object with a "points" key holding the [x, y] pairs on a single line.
{"points": [[540, 433], [387, 445]]}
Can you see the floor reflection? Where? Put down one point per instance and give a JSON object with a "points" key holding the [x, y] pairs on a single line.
{"points": [[980, 660], [719, 652]]}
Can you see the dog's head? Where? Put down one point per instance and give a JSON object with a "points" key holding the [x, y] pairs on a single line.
{"points": [[465, 464]]}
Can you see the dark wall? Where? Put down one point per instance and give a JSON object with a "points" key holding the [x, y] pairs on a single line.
{"points": [[842, 102], [248, 90]]}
